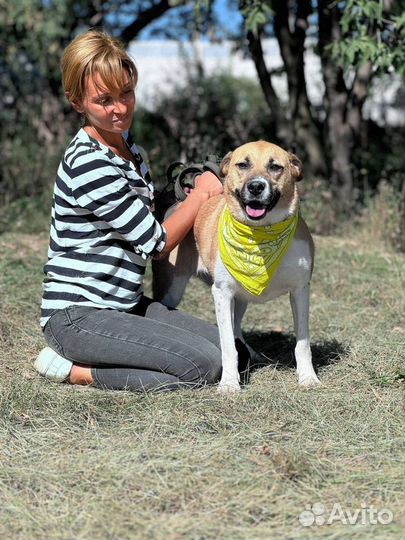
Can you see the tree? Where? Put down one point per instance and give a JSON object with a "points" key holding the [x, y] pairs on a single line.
{"points": [[303, 134], [357, 41], [34, 117], [361, 39]]}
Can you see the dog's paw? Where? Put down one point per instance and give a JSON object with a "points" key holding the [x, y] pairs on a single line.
{"points": [[308, 380], [228, 387]]}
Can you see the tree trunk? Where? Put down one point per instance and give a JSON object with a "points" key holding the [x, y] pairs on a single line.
{"points": [[358, 95], [305, 132], [278, 117], [339, 132]]}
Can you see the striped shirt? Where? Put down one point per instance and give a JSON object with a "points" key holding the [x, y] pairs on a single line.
{"points": [[102, 229]]}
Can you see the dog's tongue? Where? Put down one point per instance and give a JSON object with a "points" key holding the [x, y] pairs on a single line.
{"points": [[255, 212]]}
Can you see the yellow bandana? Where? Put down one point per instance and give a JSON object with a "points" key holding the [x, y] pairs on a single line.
{"points": [[253, 254]]}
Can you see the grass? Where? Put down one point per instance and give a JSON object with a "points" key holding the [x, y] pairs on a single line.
{"points": [[83, 463]]}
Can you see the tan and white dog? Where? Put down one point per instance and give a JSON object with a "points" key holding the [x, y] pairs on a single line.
{"points": [[260, 195]]}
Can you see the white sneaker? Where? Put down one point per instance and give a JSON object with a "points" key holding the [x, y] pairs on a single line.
{"points": [[53, 366]]}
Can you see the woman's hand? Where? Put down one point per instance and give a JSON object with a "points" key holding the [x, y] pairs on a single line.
{"points": [[178, 224], [208, 183]]}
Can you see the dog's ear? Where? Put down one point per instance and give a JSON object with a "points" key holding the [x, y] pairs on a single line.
{"points": [[223, 168], [296, 167]]}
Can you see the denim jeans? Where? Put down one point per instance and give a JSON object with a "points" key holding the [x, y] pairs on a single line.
{"points": [[152, 347]]}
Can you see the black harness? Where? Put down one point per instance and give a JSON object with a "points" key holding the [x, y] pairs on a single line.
{"points": [[182, 176]]}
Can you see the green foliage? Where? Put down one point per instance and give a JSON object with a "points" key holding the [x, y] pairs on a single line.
{"points": [[26, 169], [256, 14], [371, 34], [30, 215], [32, 36], [33, 123], [201, 8], [382, 159]]}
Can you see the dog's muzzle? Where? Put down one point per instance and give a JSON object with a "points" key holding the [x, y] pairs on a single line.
{"points": [[258, 197]]}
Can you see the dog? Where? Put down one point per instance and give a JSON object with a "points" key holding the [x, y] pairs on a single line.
{"points": [[252, 245]]}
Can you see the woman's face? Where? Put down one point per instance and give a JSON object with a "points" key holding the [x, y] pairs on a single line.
{"points": [[108, 110]]}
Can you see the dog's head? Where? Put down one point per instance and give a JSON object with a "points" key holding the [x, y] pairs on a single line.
{"points": [[260, 180]]}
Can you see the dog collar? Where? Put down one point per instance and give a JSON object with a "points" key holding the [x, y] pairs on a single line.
{"points": [[253, 254]]}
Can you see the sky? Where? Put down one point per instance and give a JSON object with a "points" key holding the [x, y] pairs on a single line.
{"points": [[230, 19]]}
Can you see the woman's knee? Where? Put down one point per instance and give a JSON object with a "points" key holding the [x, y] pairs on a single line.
{"points": [[213, 370], [206, 369]]}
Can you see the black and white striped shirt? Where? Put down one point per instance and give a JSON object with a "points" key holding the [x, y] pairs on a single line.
{"points": [[102, 229]]}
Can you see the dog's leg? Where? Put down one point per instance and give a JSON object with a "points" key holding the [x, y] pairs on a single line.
{"points": [[239, 312], [171, 274], [224, 306], [299, 299]]}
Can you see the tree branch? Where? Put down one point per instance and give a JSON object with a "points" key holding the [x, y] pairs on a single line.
{"points": [[145, 17], [256, 52], [290, 27]]}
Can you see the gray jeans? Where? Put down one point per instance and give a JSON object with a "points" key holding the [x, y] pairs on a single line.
{"points": [[150, 348]]}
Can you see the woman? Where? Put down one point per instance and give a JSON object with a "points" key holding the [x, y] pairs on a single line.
{"points": [[99, 326]]}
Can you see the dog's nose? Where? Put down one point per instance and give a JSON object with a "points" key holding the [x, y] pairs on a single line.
{"points": [[255, 187]]}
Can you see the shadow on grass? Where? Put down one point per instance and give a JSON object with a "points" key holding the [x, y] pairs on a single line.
{"points": [[277, 349]]}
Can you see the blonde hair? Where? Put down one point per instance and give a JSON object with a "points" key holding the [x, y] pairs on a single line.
{"points": [[91, 52]]}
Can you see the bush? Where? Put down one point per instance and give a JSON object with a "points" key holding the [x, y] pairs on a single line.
{"points": [[27, 176], [317, 206], [29, 168], [383, 217], [31, 215], [382, 158]]}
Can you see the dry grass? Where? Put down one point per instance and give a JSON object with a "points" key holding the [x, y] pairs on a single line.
{"points": [[83, 463]]}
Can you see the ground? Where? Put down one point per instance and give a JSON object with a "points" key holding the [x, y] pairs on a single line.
{"points": [[275, 461]]}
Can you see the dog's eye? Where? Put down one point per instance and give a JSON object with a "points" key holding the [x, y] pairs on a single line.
{"points": [[243, 165], [274, 167]]}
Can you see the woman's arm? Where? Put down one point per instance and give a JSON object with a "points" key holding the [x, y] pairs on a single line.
{"points": [[181, 221]]}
